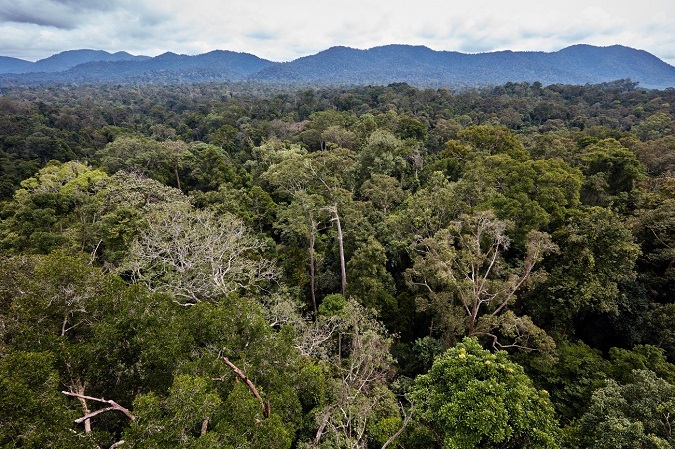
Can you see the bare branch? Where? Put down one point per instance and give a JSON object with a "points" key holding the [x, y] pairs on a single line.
{"points": [[406, 420], [264, 405], [113, 406]]}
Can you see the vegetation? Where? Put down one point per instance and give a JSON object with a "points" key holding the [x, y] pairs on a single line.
{"points": [[221, 266]]}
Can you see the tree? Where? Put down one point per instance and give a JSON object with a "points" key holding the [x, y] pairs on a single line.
{"points": [[371, 283], [179, 420], [382, 154], [208, 167], [305, 217], [54, 209], [577, 371], [463, 276], [654, 227], [533, 194], [137, 154], [121, 205], [33, 414], [636, 414], [488, 140], [596, 260], [424, 213], [325, 175], [384, 192], [197, 255], [358, 401], [657, 125], [611, 173], [338, 137], [54, 307], [657, 329], [473, 398]]}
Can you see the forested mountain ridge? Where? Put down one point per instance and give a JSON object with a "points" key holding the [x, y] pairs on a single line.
{"points": [[168, 67], [415, 65], [221, 265], [65, 60], [422, 66]]}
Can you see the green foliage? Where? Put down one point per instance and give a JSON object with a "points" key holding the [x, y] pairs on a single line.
{"points": [[640, 357], [487, 140], [534, 194], [597, 257], [474, 398], [635, 414], [243, 426], [409, 128], [657, 329], [124, 202], [156, 160], [208, 167], [332, 305], [52, 210], [571, 378], [612, 172], [370, 281], [60, 292], [428, 186], [384, 192], [33, 413], [178, 420], [426, 212], [463, 277], [654, 227]]}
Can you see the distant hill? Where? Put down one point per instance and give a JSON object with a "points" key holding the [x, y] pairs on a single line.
{"points": [[72, 58], [169, 67], [415, 65], [421, 66], [63, 61], [14, 65]]}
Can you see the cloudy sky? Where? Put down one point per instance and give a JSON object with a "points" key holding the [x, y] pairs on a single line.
{"points": [[282, 31]]}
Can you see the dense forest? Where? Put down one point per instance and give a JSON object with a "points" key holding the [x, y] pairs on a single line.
{"points": [[246, 266]]}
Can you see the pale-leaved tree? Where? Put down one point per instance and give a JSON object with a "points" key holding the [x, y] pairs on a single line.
{"points": [[463, 277], [197, 255]]}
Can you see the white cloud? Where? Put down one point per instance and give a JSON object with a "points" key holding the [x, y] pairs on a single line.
{"points": [[282, 31]]}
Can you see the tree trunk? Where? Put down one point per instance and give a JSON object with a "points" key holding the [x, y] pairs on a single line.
{"points": [[312, 274], [175, 170], [343, 268], [322, 426], [80, 391]]}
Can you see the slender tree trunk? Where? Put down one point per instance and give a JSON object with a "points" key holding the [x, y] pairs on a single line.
{"points": [[175, 170], [343, 268], [312, 273], [80, 391]]}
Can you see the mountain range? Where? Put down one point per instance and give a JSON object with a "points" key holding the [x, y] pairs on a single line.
{"points": [[416, 65]]}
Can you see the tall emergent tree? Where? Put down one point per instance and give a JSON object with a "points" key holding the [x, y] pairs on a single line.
{"points": [[465, 280]]}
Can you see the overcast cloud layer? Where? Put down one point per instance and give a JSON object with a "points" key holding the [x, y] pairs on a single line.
{"points": [[279, 31]]}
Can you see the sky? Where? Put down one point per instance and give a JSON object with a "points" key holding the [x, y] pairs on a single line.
{"points": [[283, 31]]}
